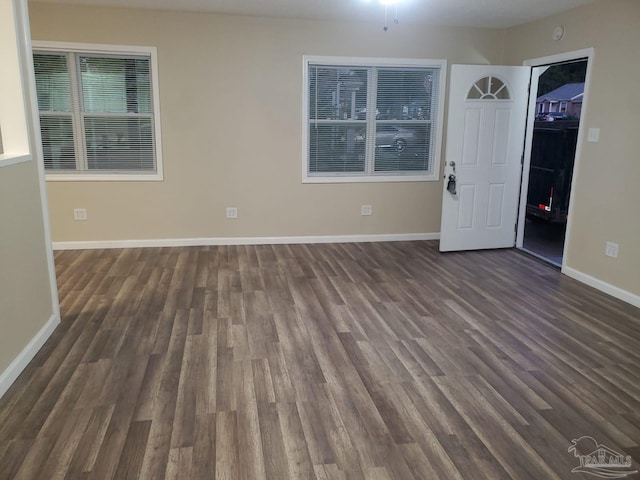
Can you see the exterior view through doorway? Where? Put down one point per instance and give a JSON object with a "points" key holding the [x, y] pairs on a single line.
{"points": [[558, 90]]}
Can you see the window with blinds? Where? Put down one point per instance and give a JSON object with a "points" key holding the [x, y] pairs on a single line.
{"points": [[97, 112], [368, 120]]}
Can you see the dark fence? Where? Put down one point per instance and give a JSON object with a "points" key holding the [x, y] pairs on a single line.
{"points": [[552, 157]]}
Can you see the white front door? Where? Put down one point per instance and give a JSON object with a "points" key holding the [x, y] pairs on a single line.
{"points": [[485, 138]]}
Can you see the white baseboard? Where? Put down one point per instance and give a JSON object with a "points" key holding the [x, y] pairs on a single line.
{"points": [[605, 287], [26, 355], [197, 242]]}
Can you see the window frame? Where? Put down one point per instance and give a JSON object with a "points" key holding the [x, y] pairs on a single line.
{"points": [[15, 136], [365, 177], [121, 50]]}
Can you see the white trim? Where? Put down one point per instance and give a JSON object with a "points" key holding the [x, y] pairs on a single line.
{"points": [[105, 177], [152, 52], [370, 179], [13, 103], [13, 371], [374, 61], [91, 47], [7, 159], [198, 242], [36, 141], [605, 287], [560, 57], [434, 176], [536, 72]]}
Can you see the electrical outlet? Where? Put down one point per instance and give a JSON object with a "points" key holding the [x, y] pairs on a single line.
{"points": [[593, 135], [232, 212], [611, 250], [79, 214], [366, 210]]}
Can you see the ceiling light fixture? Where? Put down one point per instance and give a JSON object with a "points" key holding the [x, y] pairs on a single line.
{"points": [[387, 4]]}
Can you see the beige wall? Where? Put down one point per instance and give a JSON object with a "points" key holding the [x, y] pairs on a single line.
{"points": [[218, 155], [25, 291], [607, 191], [25, 302]]}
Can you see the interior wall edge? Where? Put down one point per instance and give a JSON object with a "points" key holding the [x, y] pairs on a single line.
{"points": [[15, 368]]}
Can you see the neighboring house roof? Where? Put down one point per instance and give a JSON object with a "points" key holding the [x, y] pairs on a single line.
{"points": [[568, 91]]}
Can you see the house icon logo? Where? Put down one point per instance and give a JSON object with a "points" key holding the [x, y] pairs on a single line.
{"points": [[599, 460]]}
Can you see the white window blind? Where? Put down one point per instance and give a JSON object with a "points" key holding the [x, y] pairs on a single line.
{"points": [[337, 113], [53, 87], [372, 120], [96, 112]]}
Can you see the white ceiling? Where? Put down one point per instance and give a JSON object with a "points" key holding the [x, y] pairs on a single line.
{"points": [[478, 13]]}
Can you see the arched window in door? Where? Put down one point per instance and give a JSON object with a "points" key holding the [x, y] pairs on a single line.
{"points": [[489, 88]]}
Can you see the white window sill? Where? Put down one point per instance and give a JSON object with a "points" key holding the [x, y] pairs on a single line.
{"points": [[371, 179], [7, 159], [104, 177]]}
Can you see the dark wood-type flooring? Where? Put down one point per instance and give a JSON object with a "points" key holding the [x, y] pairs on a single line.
{"points": [[354, 361]]}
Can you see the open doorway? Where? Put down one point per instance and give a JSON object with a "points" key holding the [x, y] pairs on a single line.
{"points": [[558, 109]]}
